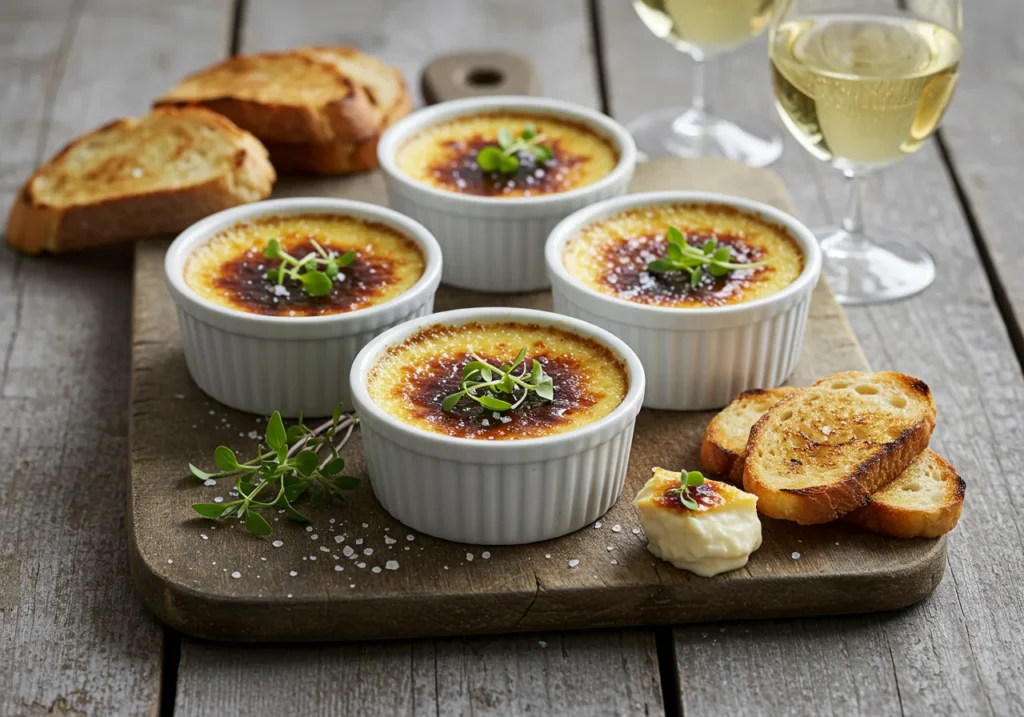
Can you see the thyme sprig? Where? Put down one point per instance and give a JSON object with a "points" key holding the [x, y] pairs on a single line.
{"points": [[504, 157], [290, 467], [687, 481], [315, 271], [500, 388], [683, 257]]}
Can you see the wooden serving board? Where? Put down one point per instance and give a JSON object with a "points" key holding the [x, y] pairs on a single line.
{"points": [[214, 580]]}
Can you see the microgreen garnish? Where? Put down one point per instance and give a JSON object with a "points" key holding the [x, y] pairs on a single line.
{"points": [[500, 389], [504, 158], [688, 480], [315, 271], [693, 260], [279, 476]]}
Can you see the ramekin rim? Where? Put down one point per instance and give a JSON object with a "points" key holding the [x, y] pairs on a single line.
{"points": [[569, 226], [392, 138], [188, 240], [361, 365]]}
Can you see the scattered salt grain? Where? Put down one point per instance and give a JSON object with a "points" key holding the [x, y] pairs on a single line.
{"points": [[338, 568], [375, 569], [179, 395], [547, 555], [312, 557], [289, 595], [359, 541], [573, 563], [204, 536], [368, 551], [597, 524], [218, 499], [826, 430], [795, 556], [324, 549], [636, 531], [388, 540], [542, 643], [393, 565], [236, 575], [360, 565], [610, 548], [410, 536], [254, 435], [616, 528], [314, 536], [469, 557], [485, 555], [292, 573], [615, 562], [209, 481], [338, 539], [170, 562], [365, 525], [309, 528], [277, 543]]}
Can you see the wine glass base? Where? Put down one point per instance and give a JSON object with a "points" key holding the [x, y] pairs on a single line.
{"points": [[885, 266], [686, 132]]}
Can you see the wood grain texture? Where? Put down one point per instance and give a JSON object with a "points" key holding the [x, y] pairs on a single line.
{"points": [[981, 132], [948, 655], [74, 639], [585, 674]]}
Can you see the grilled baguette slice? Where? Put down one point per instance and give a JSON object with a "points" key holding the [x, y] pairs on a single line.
{"points": [[924, 501], [725, 440], [138, 177], [822, 451]]}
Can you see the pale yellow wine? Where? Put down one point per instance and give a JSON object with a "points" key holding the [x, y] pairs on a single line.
{"points": [[705, 25], [862, 91]]}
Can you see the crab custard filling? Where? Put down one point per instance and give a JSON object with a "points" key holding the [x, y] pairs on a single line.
{"points": [[231, 268], [412, 380], [445, 156], [612, 256]]}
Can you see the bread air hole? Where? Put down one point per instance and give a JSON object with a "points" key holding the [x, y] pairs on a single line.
{"points": [[786, 415], [898, 402], [840, 384], [866, 389]]}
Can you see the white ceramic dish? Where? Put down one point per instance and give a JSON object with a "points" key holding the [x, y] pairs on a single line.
{"points": [[496, 492], [493, 244], [262, 364], [696, 358]]}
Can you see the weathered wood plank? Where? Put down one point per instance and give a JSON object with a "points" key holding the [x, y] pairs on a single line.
{"points": [[74, 639], [949, 653], [499, 676], [981, 132]]}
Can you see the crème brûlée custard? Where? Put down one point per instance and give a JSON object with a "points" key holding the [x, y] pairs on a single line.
{"points": [[412, 380], [444, 156], [231, 270], [612, 256]]}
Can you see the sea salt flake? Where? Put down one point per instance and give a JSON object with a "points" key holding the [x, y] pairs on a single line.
{"points": [[292, 573], [368, 551], [236, 575], [597, 524], [542, 643], [347, 551], [338, 568], [610, 548], [209, 481], [636, 531], [388, 540], [616, 528], [314, 536], [795, 556], [469, 557], [485, 555], [573, 563], [338, 539], [309, 528], [410, 536], [375, 569], [277, 543], [360, 565], [324, 549], [393, 565], [253, 435], [170, 562], [547, 555], [359, 541], [218, 499], [312, 557], [366, 525]]}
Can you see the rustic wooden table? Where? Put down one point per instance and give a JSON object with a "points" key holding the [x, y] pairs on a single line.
{"points": [[74, 640]]}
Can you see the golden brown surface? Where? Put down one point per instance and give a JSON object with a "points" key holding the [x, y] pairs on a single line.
{"points": [[135, 178], [611, 256], [412, 379], [229, 269], [444, 156]]}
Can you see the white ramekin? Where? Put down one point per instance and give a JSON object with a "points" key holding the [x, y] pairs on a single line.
{"points": [[496, 492], [493, 244], [696, 359], [262, 364]]}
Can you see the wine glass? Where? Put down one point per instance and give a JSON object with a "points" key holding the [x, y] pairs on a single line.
{"points": [[704, 29], [861, 84]]}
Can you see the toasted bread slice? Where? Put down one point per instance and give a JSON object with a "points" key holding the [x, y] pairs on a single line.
{"points": [[925, 501], [822, 451], [139, 177], [725, 440], [308, 95]]}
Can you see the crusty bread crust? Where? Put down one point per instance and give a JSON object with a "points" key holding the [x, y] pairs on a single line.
{"points": [[724, 444], [36, 224], [889, 514], [852, 470]]}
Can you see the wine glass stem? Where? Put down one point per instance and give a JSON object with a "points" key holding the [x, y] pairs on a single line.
{"points": [[851, 239], [699, 104]]}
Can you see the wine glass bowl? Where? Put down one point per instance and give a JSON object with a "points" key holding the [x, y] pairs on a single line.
{"points": [[704, 29], [860, 85]]}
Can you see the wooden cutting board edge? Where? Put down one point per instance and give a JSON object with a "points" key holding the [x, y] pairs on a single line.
{"points": [[531, 604]]}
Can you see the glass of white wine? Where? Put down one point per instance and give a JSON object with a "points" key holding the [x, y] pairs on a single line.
{"points": [[704, 29], [861, 84]]}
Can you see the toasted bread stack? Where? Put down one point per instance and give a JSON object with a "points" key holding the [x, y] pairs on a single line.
{"points": [[853, 446], [137, 178], [318, 110]]}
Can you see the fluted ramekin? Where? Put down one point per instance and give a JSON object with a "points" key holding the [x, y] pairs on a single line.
{"points": [[696, 358], [290, 364], [497, 244], [496, 492]]}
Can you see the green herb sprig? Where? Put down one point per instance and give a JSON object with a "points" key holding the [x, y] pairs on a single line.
{"points": [[279, 476], [315, 271], [688, 480], [500, 389], [504, 158], [696, 260]]}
